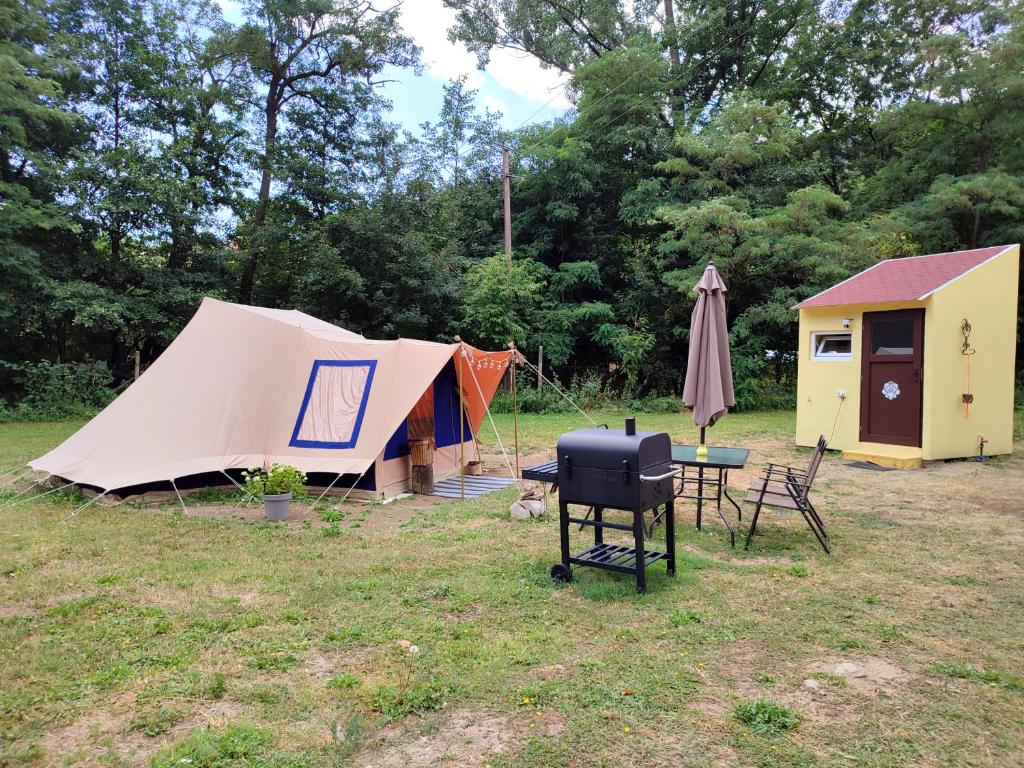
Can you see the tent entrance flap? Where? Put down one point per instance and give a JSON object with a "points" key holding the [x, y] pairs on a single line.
{"points": [[421, 417]]}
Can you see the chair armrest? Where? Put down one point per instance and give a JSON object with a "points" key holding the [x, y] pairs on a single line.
{"points": [[784, 468], [790, 475]]}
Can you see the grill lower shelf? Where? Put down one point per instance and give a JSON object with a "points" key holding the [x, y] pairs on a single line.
{"points": [[613, 557]]}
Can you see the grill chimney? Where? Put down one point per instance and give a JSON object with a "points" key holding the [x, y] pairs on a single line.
{"points": [[631, 425]]}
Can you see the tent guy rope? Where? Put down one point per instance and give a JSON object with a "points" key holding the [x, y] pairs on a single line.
{"points": [[39, 495], [554, 386], [487, 410], [93, 500]]}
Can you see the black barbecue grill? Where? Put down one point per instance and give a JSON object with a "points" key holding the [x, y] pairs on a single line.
{"points": [[614, 469]]}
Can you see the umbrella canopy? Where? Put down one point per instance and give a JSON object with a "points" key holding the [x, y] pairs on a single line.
{"points": [[708, 387]]}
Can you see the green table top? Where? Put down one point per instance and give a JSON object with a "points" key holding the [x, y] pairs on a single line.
{"points": [[718, 457]]}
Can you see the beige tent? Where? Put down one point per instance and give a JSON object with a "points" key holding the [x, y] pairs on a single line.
{"points": [[246, 386]]}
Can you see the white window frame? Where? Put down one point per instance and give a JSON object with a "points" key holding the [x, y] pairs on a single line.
{"points": [[816, 336]]}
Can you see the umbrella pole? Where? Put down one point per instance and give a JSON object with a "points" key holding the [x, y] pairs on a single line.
{"points": [[702, 450]]}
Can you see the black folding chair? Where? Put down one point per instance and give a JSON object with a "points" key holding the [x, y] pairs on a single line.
{"points": [[788, 488]]}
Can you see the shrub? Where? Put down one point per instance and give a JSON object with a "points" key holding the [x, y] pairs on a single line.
{"points": [[765, 393], [766, 717], [280, 479], [45, 391]]}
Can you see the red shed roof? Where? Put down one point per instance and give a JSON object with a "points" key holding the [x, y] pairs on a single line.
{"points": [[914, 278]]}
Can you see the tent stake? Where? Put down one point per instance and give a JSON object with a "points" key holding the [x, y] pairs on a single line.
{"points": [[313, 505], [40, 495], [10, 502], [345, 497], [91, 501], [248, 496]]}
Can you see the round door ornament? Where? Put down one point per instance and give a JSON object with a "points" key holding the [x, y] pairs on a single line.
{"points": [[891, 390]]}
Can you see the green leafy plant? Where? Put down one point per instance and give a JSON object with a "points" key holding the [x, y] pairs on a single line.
{"points": [[343, 681], [281, 478], [766, 717]]}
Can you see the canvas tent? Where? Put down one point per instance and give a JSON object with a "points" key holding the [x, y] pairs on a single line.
{"points": [[246, 386]]}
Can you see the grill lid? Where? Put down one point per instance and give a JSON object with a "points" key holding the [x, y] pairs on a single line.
{"points": [[613, 449]]}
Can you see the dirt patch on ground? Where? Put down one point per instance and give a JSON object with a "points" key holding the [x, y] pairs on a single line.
{"points": [[324, 666], [94, 738], [463, 738], [81, 738], [18, 611], [549, 672], [868, 673]]}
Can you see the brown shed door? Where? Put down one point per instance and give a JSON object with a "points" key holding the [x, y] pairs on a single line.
{"points": [[891, 368]]}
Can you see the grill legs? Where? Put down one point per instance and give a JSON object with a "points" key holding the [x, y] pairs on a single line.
{"points": [[641, 553], [614, 557]]}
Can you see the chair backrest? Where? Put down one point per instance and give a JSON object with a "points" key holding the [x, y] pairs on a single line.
{"points": [[812, 468]]}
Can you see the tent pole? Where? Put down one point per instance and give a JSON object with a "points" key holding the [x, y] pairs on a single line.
{"points": [[515, 404], [462, 424]]}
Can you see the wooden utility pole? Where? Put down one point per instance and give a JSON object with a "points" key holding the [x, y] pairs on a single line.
{"points": [[540, 366], [506, 176]]}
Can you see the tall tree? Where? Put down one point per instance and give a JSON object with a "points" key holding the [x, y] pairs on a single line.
{"points": [[300, 50], [36, 134], [561, 33]]}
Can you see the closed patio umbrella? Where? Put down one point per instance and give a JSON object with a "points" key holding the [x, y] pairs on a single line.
{"points": [[708, 386]]}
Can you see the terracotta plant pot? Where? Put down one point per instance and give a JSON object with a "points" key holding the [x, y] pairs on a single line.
{"points": [[275, 506]]}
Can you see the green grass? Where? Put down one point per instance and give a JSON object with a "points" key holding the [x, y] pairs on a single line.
{"points": [[766, 717], [143, 636]]}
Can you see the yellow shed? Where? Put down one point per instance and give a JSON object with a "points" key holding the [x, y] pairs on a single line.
{"points": [[912, 359]]}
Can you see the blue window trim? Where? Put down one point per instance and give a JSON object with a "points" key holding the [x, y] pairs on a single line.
{"points": [[372, 365]]}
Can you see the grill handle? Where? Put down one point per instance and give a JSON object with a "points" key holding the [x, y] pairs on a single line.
{"points": [[652, 478]]}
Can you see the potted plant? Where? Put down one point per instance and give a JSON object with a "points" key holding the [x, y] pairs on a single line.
{"points": [[276, 487]]}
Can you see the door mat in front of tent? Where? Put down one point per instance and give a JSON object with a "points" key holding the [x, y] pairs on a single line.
{"points": [[476, 485]]}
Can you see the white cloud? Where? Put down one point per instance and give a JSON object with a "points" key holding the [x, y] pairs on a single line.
{"points": [[428, 22], [522, 74], [495, 104]]}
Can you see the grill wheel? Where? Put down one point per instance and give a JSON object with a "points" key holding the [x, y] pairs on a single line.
{"points": [[560, 572]]}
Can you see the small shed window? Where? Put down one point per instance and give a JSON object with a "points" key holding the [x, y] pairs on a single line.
{"points": [[832, 346]]}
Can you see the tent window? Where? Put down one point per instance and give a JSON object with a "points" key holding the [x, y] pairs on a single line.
{"points": [[832, 346], [332, 410]]}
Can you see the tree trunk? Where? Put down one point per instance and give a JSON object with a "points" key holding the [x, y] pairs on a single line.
{"points": [[180, 246], [673, 43], [259, 216], [673, 52]]}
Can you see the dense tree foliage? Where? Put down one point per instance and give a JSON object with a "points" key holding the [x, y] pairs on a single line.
{"points": [[152, 153]]}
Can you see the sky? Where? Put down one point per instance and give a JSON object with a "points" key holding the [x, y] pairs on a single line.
{"points": [[513, 84]]}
